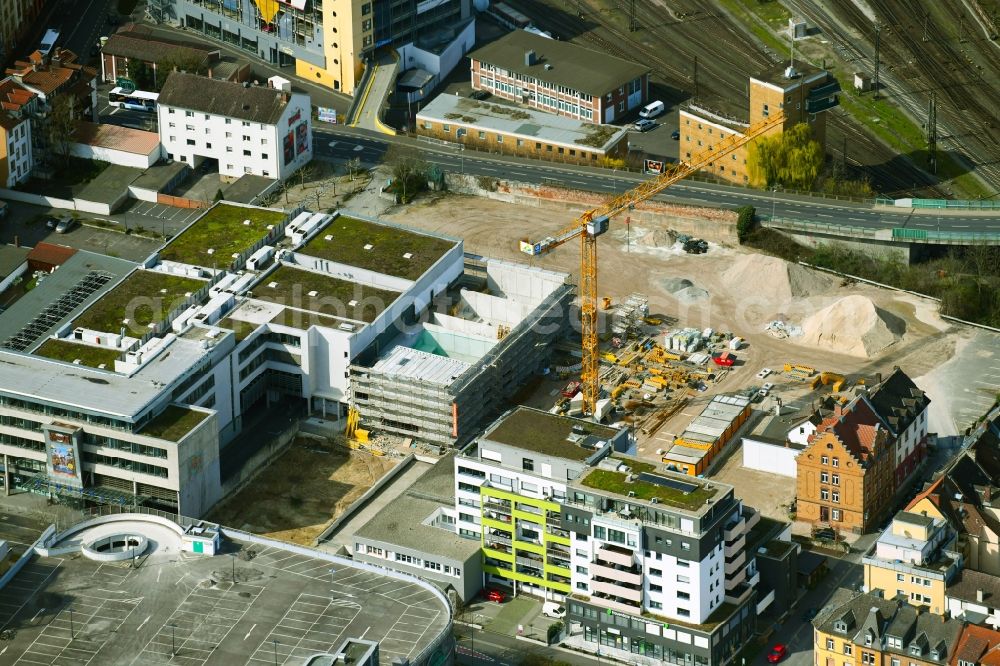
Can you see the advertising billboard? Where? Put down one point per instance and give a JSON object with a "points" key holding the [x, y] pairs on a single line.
{"points": [[301, 138], [63, 457], [288, 145]]}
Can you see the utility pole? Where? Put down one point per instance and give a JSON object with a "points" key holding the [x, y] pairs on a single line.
{"points": [[695, 77], [878, 31], [961, 29], [843, 154], [632, 26], [927, 18], [932, 133]]}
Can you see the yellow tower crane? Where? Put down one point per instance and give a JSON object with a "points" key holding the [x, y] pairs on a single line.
{"points": [[593, 223]]}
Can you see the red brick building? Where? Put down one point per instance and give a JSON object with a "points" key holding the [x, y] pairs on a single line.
{"points": [[560, 77]]}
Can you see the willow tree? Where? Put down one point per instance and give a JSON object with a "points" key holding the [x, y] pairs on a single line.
{"points": [[790, 159]]}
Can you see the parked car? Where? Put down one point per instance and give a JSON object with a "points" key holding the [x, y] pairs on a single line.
{"points": [[495, 595], [644, 125], [766, 388], [479, 94], [552, 609], [763, 373], [66, 225], [675, 135], [777, 653], [51, 222], [652, 109]]}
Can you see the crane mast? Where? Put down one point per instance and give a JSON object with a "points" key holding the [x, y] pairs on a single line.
{"points": [[594, 223]]}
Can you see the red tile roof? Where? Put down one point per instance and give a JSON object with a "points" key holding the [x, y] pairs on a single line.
{"points": [[857, 426], [49, 75], [50, 254], [978, 645], [117, 137]]}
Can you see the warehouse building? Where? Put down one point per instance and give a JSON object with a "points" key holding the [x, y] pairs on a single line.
{"points": [[141, 375], [523, 132], [560, 77], [694, 449]]}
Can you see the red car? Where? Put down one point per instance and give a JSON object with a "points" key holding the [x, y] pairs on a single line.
{"points": [[777, 653], [571, 389], [494, 595]]}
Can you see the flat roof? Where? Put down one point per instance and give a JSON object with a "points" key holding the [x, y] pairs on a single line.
{"points": [[59, 297], [560, 62], [775, 74], [522, 122], [323, 294], [546, 433], [116, 137], [715, 419], [295, 601], [12, 258], [378, 247], [174, 423], [774, 429], [144, 297], [669, 488], [213, 239], [70, 351], [98, 391], [403, 361], [401, 521]]}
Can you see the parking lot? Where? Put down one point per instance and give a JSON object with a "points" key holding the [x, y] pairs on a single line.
{"points": [[191, 610], [174, 218]]}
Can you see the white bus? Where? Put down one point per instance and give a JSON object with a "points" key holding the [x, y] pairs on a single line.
{"points": [[138, 100]]}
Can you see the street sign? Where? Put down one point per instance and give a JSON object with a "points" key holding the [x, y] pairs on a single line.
{"points": [[127, 85], [654, 166], [327, 115]]}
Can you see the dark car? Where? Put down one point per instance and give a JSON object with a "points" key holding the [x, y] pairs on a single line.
{"points": [[479, 94], [676, 134], [825, 534], [66, 225], [51, 222]]}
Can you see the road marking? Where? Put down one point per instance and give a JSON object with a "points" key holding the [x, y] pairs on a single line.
{"points": [[254, 627], [40, 611], [364, 633], [143, 623], [158, 572]]}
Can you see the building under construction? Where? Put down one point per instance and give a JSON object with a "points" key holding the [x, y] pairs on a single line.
{"points": [[694, 450], [439, 379]]}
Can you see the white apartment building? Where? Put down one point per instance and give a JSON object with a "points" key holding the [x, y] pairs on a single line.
{"points": [[15, 132], [246, 129]]}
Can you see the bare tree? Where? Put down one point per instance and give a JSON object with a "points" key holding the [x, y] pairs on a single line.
{"points": [[60, 125]]}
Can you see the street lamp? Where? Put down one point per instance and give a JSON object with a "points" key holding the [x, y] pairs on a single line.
{"points": [[275, 651], [173, 641], [774, 191], [72, 631]]}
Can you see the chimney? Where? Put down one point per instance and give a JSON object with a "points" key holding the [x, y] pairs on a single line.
{"points": [[878, 378], [838, 408], [979, 595]]}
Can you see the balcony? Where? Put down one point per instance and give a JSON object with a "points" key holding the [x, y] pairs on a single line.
{"points": [[625, 576], [497, 545], [736, 545], [736, 579], [616, 591], [556, 531], [529, 562], [739, 594], [754, 579], [606, 601], [498, 517], [735, 530], [615, 555], [733, 566], [495, 506], [752, 517], [534, 572]]}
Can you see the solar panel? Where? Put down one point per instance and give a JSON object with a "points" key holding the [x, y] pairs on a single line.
{"points": [[676, 484], [57, 310]]}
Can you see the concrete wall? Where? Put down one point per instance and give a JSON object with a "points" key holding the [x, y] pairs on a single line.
{"points": [[16, 273], [113, 156], [439, 64], [198, 467], [874, 247], [771, 458]]}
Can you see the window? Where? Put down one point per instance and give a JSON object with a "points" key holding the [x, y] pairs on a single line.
{"points": [[581, 570], [246, 123], [824, 494], [208, 145], [683, 595], [685, 545], [189, 128], [683, 612], [246, 153], [229, 149], [229, 121], [499, 138], [446, 128], [829, 644], [824, 460], [189, 114], [655, 572], [263, 156], [246, 137], [655, 588], [835, 479], [848, 648], [170, 111], [868, 658], [581, 586], [835, 514], [190, 142], [836, 496], [683, 579], [655, 605], [528, 465], [684, 564], [173, 124], [835, 462], [229, 135], [824, 477], [899, 577]]}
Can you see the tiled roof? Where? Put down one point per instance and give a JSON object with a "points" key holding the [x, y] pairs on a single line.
{"points": [[857, 426], [50, 254], [968, 583], [138, 46], [13, 96], [978, 645], [898, 400], [117, 137], [51, 75], [257, 104], [926, 631]]}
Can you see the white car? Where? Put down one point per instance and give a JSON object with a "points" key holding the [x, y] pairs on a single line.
{"points": [[554, 610], [763, 373]]}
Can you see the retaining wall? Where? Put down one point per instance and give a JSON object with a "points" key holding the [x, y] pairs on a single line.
{"points": [[25, 557]]}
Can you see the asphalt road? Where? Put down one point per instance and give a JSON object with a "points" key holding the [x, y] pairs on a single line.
{"points": [[346, 143], [485, 648]]}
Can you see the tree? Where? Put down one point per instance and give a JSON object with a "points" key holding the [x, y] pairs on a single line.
{"points": [[409, 170], [60, 125], [744, 222], [792, 159]]}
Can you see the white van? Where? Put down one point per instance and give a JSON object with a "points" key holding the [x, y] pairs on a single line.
{"points": [[651, 110]]}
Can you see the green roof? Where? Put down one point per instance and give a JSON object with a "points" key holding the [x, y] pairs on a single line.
{"points": [[546, 433], [242, 329], [221, 229], [614, 482], [144, 297], [174, 423], [65, 350], [323, 294], [349, 236]]}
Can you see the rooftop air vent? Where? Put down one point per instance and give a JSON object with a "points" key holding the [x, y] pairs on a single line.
{"points": [[272, 285], [407, 255], [246, 223], [314, 293], [210, 251], [369, 246], [548, 65], [352, 303], [328, 237]]}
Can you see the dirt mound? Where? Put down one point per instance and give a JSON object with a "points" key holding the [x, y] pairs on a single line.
{"points": [[658, 238], [673, 285], [691, 295], [853, 325], [774, 280]]}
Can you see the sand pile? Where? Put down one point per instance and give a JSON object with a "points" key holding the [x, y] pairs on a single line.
{"points": [[657, 238], [684, 290], [773, 280], [853, 325]]}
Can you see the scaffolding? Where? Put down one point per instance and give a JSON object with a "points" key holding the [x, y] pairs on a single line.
{"points": [[627, 317]]}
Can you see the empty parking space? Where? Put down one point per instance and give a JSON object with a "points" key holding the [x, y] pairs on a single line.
{"points": [[178, 217], [312, 624], [18, 592]]}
